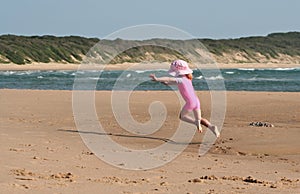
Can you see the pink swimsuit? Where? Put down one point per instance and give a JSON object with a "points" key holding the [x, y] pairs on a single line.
{"points": [[187, 91]]}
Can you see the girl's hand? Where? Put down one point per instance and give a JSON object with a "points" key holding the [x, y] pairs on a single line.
{"points": [[153, 77]]}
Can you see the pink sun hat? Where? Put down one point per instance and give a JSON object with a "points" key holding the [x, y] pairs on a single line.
{"points": [[179, 67]]}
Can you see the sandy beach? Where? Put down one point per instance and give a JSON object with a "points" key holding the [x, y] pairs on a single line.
{"points": [[95, 97], [42, 151], [58, 66]]}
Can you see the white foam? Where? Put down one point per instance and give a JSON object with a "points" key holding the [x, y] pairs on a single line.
{"points": [[267, 79], [200, 77], [285, 69], [246, 69], [9, 72], [229, 72], [94, 78], [140, 71], [218, 77]]}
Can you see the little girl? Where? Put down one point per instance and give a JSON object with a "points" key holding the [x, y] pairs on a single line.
{"points": [[183, 78]]}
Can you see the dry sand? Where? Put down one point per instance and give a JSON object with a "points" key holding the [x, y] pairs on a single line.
{"points": [[58, 66], [42, 152]]}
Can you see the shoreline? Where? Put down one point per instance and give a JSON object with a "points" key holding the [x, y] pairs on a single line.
{"points": [[132, 66], [141, 91]]}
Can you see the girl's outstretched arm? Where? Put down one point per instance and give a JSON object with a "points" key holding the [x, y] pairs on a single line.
{"points": [[164, 80]]}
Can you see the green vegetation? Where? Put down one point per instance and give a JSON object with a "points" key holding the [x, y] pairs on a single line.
{"points": [[146, 53], [270, 46], [71, 49], [44, 49]]}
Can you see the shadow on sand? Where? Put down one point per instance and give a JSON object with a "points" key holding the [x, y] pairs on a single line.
{"points": [[133, 136]]}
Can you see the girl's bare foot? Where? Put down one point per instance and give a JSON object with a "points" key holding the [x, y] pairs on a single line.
{"points": [[215, 130]]}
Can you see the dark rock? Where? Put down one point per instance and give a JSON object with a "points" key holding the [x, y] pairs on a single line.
{"points": [[261, 124]]}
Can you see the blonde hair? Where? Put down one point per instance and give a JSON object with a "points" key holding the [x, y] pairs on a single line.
{"points": [[189, 76]]}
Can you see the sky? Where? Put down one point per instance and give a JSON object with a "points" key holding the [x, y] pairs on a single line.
{"points": [[216, 19]]}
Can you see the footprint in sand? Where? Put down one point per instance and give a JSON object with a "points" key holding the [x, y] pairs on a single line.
{"points": [[282, 182], [16, 150], [21, 185], [23, 174], [63, 176], [87, 153], [25, 147], [118, 180]]}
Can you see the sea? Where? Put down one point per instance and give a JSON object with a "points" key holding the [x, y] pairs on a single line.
{"points": [[240, 79]]}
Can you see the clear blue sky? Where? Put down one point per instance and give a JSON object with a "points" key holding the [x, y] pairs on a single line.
{"points": [[201, 18]]}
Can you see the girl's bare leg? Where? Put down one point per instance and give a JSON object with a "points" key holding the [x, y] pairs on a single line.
{"points": [[205, 122], [198, 119], [185, 117]]}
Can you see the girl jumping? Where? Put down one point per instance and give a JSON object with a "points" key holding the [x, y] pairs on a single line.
{"points": [[183, 79]]}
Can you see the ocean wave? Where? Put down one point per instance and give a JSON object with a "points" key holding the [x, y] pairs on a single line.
{"points": [[160, 70], [144, 71], [29, 72], [229, 72], [286, 69], [218, 77], [246, 69], [200, 77], [268, 79], [88, 72], [7, 72], [271, 69], [140, 71], [94, 78], [277, 69], [65, 72], [23, 73], [90, 78]]}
